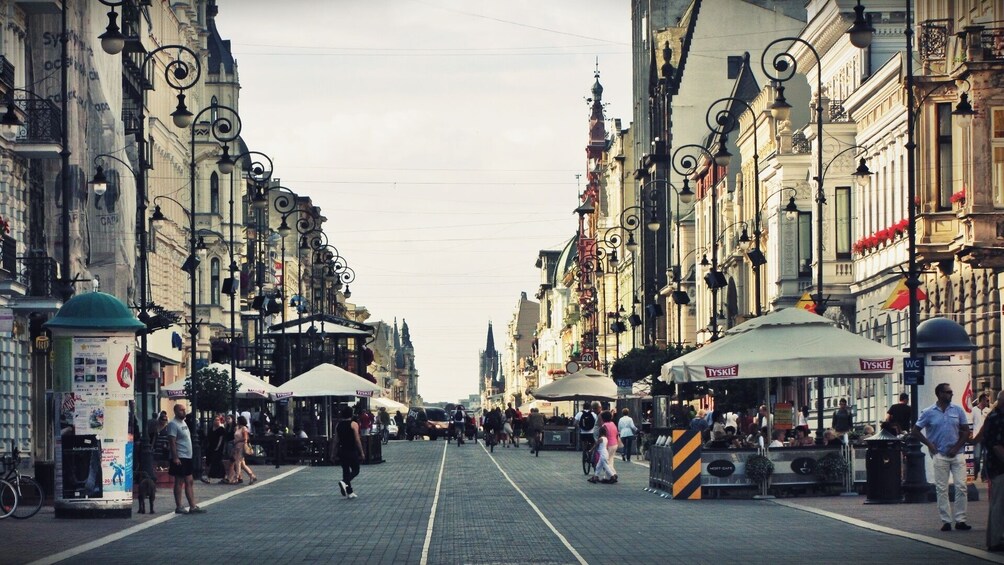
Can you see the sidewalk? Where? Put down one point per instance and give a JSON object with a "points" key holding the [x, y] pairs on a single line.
{"points": [[915, 521], [43, 535]]}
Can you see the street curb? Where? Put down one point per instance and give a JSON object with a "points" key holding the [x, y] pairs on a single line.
{"points": [[964, 549], [73, 552]]}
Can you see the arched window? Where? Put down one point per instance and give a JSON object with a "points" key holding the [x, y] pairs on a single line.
{"points": [[214, 281], [214, 193], [214, 113]]}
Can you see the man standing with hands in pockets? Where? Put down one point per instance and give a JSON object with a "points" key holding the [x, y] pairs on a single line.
{"points": [[946, 430]]}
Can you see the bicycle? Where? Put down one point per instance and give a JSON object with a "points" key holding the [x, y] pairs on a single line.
{"points": [[588, 456], [8, 499], [27, 493]]}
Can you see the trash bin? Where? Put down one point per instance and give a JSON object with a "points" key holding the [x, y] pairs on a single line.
{"points": [[884, 466]]}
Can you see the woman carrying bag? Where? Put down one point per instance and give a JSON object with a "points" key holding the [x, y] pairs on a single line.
{"points": [[242, 447]]}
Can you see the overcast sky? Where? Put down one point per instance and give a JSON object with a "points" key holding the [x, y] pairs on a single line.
{"points": [[441, 138]]}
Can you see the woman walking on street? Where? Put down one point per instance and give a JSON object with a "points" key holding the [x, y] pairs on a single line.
{"points": [[604, 473], [609, 429], [627, 430], [241, 438], [349, 448]]}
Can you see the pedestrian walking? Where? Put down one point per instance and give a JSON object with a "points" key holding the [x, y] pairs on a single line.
{"points": [[349, 447], [980, 411], [604, 473], [242, 438], [992, 436], [945, 431], [609, 429], [179, 438], [627, 430]]}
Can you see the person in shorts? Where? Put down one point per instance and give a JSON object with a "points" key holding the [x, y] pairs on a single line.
{"points": [[179, 439]]}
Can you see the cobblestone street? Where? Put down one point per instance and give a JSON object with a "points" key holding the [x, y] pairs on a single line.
{"points": [[506, 507]]}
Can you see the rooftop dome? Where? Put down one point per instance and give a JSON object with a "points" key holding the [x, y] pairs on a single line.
{"points": [[942, 334], [95, 310]]}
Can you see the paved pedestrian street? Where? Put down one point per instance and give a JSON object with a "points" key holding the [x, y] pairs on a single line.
{"points": [[433, 503]]}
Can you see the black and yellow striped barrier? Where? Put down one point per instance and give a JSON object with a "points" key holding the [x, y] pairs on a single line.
{"points": [[686, 465]]}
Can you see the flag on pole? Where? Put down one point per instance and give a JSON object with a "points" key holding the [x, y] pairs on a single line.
{"points": [[806, 303], [900, 296]]}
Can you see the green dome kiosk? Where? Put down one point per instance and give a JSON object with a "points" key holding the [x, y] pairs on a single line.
{"points": [[93, 349]]}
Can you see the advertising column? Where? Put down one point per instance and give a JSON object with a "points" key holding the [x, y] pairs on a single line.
{"points": [[93, 392]]}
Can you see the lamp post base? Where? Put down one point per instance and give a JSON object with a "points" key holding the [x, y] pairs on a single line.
{"points": [[915, 485]]}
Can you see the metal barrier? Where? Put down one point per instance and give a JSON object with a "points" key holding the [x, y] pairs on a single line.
{"points": [[726, 468], [660, 470], [797, 465]]}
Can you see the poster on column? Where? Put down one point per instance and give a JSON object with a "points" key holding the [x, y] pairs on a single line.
{"points": [[103, 366]]}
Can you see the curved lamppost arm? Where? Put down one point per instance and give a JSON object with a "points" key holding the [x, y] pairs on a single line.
{"points": [[783, 68], [686, 161]]}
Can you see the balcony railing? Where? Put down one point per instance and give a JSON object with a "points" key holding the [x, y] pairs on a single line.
{"points": [[933, 40], [41, 123], [40, 275], [992, 42]]}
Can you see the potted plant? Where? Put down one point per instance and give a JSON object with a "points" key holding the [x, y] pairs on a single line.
{"points": [[759, 468], [831, 468], [958, 198]]}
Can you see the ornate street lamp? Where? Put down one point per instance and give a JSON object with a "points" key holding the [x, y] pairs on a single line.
{"points": [[686, 161], [181, 73], [224, 127], [259, 170]]}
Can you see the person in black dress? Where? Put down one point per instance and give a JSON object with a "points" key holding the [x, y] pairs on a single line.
{"points": [[349, 447], [216, 448]]}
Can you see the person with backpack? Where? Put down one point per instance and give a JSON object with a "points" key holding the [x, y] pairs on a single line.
{"points": [[459, 423], [585, 421]]}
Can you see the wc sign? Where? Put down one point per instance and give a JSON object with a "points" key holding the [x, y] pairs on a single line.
{"points": [[913, 371]]}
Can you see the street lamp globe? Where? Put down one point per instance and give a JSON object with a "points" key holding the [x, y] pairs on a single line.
{"points": [[780, 110], [791, 210], [861, 32], [181, 116], [862, 174], [112, 40], [100, 183], [963, 112], [686, 195], [225, 163], [632, 244]]}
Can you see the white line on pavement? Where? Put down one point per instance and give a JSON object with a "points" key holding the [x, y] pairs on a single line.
{"points": [[971, 551], [73, 552], [554, 530], [435, 504]]}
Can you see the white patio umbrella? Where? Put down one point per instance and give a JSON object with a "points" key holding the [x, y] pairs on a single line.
{"points": [[787, 343], [249, 386], [586, 384], [327, 380], [388, 403]]}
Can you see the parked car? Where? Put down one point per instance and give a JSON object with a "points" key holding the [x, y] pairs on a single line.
{"points": [[429, 421]]}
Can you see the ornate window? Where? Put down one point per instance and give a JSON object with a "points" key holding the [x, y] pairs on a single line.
{"points": [[214, 193], [214, 281], [997, 149]]}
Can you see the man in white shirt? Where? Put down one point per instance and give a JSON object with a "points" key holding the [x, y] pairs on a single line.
{"points": [[980, 411]]}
